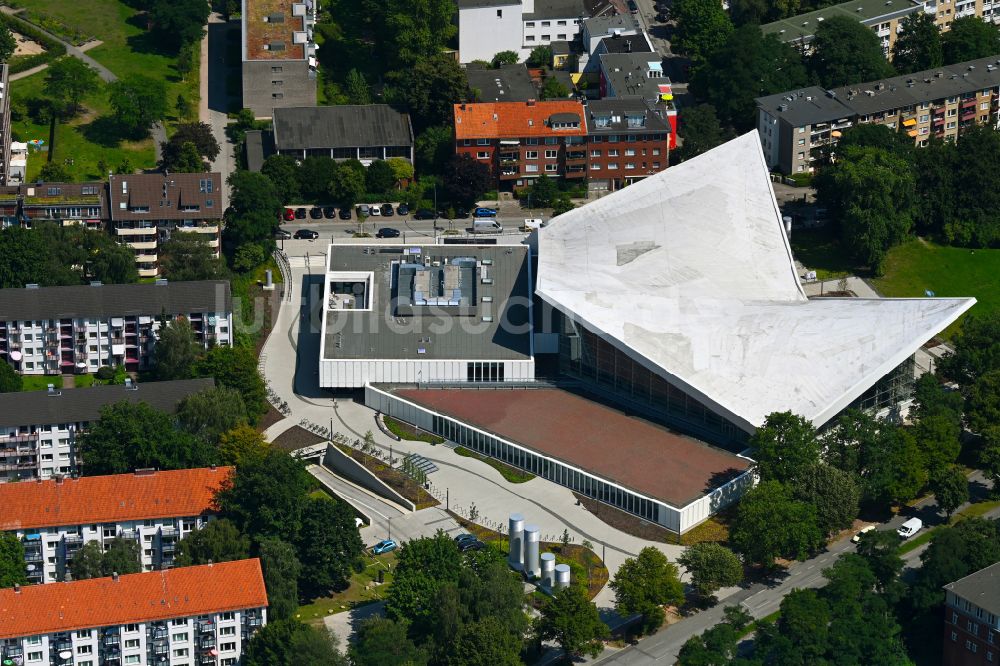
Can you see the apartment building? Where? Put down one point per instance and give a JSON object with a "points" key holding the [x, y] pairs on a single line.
{"points": [[7, 174], [884, 17], [145, 209], [54, 518], [56, 330], [797, 128], [278, 51], [39, 429], [972, 619], [628, 139], [522, 140], [365, 132], [62, 203], [179, 617]]}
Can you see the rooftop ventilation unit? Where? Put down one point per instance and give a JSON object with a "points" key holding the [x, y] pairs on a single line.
{"points": [[299, 38]]}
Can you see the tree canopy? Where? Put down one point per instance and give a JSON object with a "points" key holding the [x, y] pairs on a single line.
{"points": [[785, 447], [770, 523], [92, 561], [573, 622], [918, 44], [210, 413], [204, 147], [218, 541], [138, 101], [52, 255], [702, 27], [328, 545], [254, 208], [188, 256], [711, 566], [10, 380], [235, 367], [178, 23], [645, 584], [176, 349], [466, 179], [846, 52], [970, 38], [12, 569]]}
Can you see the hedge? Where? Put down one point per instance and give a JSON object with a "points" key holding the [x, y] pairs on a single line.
{"points": [[53, 48]]}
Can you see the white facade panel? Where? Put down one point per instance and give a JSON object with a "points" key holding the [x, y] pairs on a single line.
{"points": [[485, 31]]}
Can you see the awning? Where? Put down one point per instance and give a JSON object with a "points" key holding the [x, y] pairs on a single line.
{"points": [[836, 134], [909, 122], [510, 142], [911, 133]]}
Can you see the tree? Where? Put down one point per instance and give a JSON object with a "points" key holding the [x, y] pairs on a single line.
{"points": [[241, 445], [416, 30], [315, 174], [429, 90], [951, 488], [379, 177], [970, 38], [544, 191], [540, 56], [554, 89], [12, 569], [209, 413], [8, 44], [402, 170], [785, 447], [67, 81], [893, 468], [465, 179], [989, 456], [485, 642], [770, 523], [711, 566], [288, 642], [645, 584], [702, 27], [846, 52], [178, 23], [122, 556], [503, 58], [218, 541], [972, 222], [937, 436], [804, 622], [86, 563], [982, 410], [357, 88], [284, 174], [281, 570], [382, 641], [870, 193], [175, 151], [188, 256], [265, 497], [248, 257], [955, 552], [699, 131], [573, 622], [132, 436], [10, 381], [835, 494], [138, 101], [714, 647], [876, 136], [316, 646], [422, 567], [329, 544], [563, 204], [254, 208], [236, 368], [880, 548], [184, 160], [53, 172], [747, 66], [176, 349], [918, 45], [182, 106], [433, 148], [976, 349]]}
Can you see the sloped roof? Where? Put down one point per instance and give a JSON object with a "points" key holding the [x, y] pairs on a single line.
{"points": [[131, 598], [343, 126], [690, 272], [113, 498], [499, 120]]}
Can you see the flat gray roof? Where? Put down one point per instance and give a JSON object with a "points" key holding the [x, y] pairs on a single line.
{"points": [[509, 83], [602, 25], [115, 300], [620, 108], [557, 9], [981, 588], [30, 408], [344, 126], [422, 311], [804, 106], [804, 26], [627, 74]]}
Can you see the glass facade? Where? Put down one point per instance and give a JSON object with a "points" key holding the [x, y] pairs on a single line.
{"points": [[581, 482]]}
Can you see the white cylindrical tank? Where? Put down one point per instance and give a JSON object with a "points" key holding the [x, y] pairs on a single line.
{"points": [[548, 569], [562, 576], [531, 539], [787, 219], [516, 538]]}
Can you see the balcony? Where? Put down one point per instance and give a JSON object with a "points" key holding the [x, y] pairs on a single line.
{"points": [[168, 547], [132, 232], [207, 641], [576, 155], [253, 619], [206, 626], [110, 640], [967, 115], [33, 557], [142, 245]]}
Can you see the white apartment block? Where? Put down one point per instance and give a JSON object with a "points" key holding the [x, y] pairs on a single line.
{"points": [[191, 616], [55, 518], [487, 27], [78, 329], [39, 429]]}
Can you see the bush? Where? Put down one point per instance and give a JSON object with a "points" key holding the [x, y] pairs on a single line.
{"points": [[53, 48], [105, 373]]}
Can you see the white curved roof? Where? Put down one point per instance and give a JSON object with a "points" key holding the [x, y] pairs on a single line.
{"points": [[690, 273]]}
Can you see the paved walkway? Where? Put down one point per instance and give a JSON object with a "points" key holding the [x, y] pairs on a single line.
{"points": [[289, 364], [213, 96]]}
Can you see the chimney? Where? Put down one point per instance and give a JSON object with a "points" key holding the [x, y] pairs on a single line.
{"points": [[531, 102], [114, 576], [58, 478], [51, 390], [17, 588]]}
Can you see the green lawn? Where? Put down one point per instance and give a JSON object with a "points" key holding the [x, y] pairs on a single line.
{"points": [[508, 472], [406, 431], [362, 590], [40, 382], [819, 250], [919, 266], [84, 139]]}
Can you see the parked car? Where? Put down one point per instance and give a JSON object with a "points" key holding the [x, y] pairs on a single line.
{"points": [[364, 209], [484, 212], [375, 211], [387, 232], [403, 209], [662, 17], [316, 213], [471, 544], [461, 213], [633, 6], [300, 213], [289, 215], [384, 546], [386, 210], [486, 226], [464, 537], [306, 234], [329, 212], [282, 234], [345, 213], [423, 214], [864, 530], [910, 527]]}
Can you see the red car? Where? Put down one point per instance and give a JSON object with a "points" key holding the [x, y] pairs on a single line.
{"points": [[289, 215]]}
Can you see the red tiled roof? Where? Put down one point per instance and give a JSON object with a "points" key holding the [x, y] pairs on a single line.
{"points": [[109, 499], [590, 436], [497, 120], [133, 598]]}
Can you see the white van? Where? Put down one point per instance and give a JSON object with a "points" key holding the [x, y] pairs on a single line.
{"points": [[910, 527], [486, 225]]}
